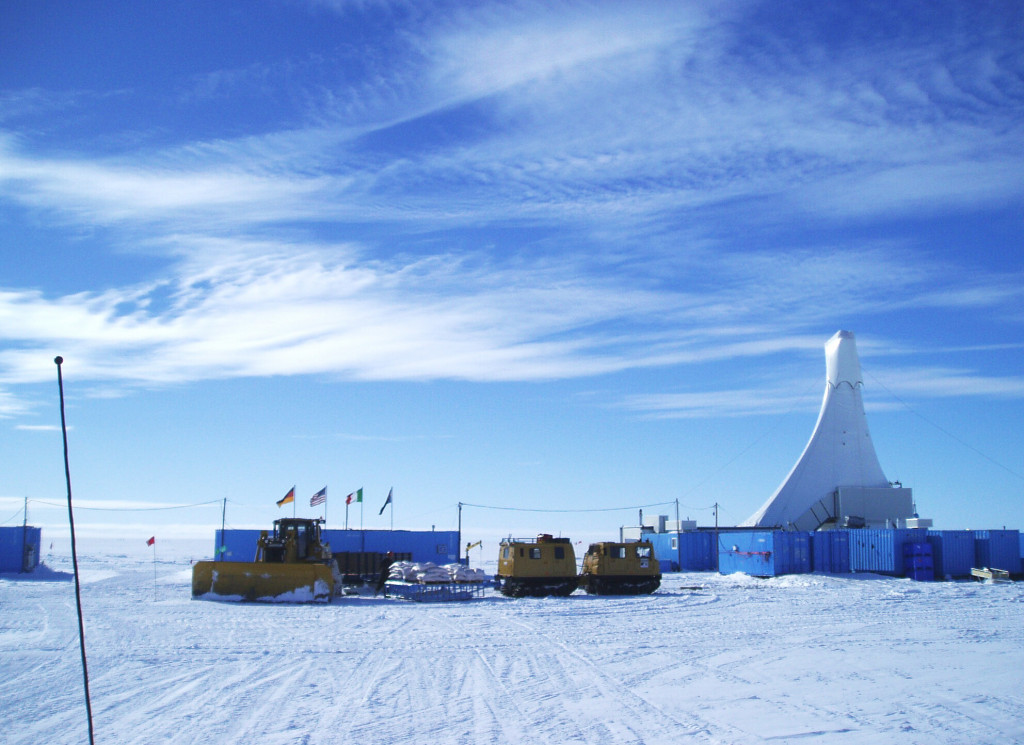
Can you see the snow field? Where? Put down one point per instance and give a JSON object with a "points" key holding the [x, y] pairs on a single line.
{"points": [[808, 658]]}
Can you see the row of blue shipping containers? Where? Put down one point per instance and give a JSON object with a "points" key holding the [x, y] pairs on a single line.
{"points": [[770, 553]]}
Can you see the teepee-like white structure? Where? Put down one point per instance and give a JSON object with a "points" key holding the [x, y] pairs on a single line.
{"points": [[837, 480]]}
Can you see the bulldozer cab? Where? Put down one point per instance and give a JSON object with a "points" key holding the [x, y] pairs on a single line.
{"points": [[294, 539]]}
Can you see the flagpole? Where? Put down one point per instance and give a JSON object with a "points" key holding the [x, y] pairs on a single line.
{"points": [[293, 502], [391, 495], [74, 553]]}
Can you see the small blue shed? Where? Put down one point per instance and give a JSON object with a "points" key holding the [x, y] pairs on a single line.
{"points": [[997, 549], [19, 548], [764, 553]]}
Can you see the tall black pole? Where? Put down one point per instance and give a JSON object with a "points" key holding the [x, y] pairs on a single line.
{"points": [[74, 554], [458, 550]]}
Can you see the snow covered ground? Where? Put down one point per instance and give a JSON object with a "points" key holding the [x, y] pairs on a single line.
{"points": [[712, 659]]}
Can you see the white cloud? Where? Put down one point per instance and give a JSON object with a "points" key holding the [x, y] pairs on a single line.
{"points": [[605, 127]]}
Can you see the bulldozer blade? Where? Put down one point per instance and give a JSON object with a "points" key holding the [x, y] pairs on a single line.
{"points": [[262, 582]]}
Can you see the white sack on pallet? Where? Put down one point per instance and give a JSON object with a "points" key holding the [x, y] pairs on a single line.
{"points": [[462, 573], [402, 571], [430, 573]]}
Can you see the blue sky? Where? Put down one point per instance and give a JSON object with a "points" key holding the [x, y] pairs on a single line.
{"points": [[545, 255]]}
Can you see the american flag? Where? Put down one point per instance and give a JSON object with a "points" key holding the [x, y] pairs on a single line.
{"points": [[319, 498]]}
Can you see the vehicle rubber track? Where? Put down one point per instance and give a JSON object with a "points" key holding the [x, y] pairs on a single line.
{"points": [[619, 585], [537, 587]]}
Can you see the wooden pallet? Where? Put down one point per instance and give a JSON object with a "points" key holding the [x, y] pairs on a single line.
{"points": [[991, 575]]}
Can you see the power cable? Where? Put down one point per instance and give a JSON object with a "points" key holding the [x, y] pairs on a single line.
{"points": [[530, 509], [132, 509], [946, 432]]}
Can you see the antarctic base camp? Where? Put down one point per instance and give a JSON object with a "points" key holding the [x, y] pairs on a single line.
{"points": [[816, 620], [707, 658]]}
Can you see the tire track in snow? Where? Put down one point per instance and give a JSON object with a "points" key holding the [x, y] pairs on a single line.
{"points": [[634, 724]]}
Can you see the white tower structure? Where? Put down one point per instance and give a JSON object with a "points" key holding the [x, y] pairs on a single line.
{"points": [[837, 480]]}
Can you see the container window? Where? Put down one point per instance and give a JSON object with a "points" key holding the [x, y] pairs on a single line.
{"points": [[559, 552], [675, 543], [535, 552]]}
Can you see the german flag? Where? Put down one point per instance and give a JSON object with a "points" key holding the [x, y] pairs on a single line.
{"points": [[289, 497]]}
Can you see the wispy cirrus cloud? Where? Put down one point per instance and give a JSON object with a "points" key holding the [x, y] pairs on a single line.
{"points": [[679, 115], [633, 144]]}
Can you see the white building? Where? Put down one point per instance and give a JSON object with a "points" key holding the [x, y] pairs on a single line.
{"points": [[837, 481]]}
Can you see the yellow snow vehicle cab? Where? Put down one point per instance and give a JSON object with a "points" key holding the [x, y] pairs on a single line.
{"points": [[291, 565], [545, 566], [620, 569]]}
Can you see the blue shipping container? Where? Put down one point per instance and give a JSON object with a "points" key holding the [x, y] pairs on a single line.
{"points": [[685, 552], [764, 554], [917, 561], [997, 549], [440, 546], [19, 548], [881, 550], [952, 552], [830, 551]]}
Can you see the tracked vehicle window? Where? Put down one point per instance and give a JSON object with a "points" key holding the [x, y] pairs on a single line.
{"points": [[644, 552], [559, 552], [619, 552], [535, 553], [504, 553]]}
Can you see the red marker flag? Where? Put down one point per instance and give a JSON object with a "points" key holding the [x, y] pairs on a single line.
{"points": [[151, 541]]}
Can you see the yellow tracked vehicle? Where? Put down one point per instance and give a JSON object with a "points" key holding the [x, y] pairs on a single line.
{"points": [[620, 569], [291, 565], [536, 568]]}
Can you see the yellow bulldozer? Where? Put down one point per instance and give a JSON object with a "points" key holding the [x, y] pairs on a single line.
{"points": [[293, 564]]}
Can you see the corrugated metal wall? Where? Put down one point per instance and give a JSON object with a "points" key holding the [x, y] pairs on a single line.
{"points": [[764, 554], [997, 549], [440, 547], [240, 545], [830, 551], [684, 552], [881, 550], [952, 552], [13, 541], [697, 552]]}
